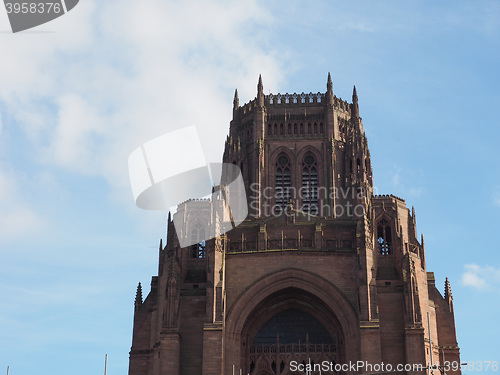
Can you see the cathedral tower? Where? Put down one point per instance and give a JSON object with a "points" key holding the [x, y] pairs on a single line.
{"points": [[321, 271]]}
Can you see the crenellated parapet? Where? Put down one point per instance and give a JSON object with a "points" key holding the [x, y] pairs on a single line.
{"points": [[293, 101]]}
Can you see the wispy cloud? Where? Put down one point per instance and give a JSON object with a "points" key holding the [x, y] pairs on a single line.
{"points": [[496, 196], [118, 73], [152, 69], [405, 180], [16, 215], [481, 277]]}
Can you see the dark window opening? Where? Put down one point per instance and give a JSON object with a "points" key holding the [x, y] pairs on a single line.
{"points": [[292, 326], [384, 238]]}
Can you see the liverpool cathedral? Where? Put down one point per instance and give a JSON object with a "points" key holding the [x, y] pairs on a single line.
{"points": [[322, 274]]}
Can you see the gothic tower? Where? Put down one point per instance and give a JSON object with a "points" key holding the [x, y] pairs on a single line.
{"points": [[321, 271]]}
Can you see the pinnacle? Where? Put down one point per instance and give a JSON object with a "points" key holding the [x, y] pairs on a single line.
{"points": [[138, 295], [260, 87], [447, 290], [236, 101], [329, 84]]}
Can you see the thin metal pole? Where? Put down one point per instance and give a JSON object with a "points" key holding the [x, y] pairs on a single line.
{"points": [[430, 342], [106, 364], [8, 368]]}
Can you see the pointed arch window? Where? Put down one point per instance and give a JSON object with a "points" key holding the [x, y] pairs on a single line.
{"points": [[310, 185], [384, 238], [283, 182]]}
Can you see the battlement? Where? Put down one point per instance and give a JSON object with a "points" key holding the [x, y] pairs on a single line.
{"points": [[295, 100], [388, 196]]}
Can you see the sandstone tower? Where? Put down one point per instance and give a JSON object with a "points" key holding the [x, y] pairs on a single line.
{"points": [[321, 269]]}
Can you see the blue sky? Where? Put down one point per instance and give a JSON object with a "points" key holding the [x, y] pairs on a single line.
{"points": [[77, 95]]}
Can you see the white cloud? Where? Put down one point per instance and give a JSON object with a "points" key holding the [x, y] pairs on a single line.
{"points": [[115, 74], [481, 277], [16, 216], [496, 196]]}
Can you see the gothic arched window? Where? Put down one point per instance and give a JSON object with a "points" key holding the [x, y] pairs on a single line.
{"points": [[384, 238], [309, 185], [283, 182]]}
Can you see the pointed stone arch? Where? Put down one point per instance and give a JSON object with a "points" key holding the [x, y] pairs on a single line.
{"points": [[286, 289]]}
